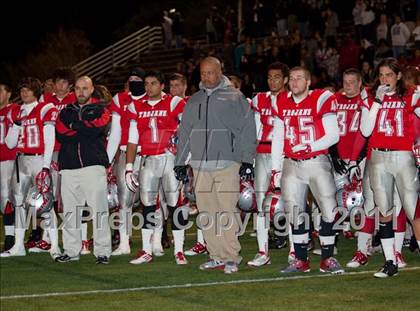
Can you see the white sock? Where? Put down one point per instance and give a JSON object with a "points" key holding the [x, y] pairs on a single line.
{"points": [[84, 231], [291, 245], [178, 240], [408, 232], [46, 236], [363, 241], [157, 238], [53, 233], [146, 236], [418, 243], [200, 237], [262, 235], [19, 238], [399, 240], [9, 230], [388, 247]]}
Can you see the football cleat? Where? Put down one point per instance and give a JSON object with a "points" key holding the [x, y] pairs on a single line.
{"points": [[9, 241], [67, 258], [40, 247], [180, 259], [85, 248], [121, 250], [331, 265], [212, 264], [230, 267], [142, 257], [158, 252], [259, 260], [400, 260], [14, 251], [389, 269], [297, 265], [102, 260], [197, 249], [359, 259]]}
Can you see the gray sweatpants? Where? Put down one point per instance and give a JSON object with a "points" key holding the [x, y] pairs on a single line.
{"points": [[78, 186]]}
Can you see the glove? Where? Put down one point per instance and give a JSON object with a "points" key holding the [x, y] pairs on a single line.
{"points": [[354, 171], [246, 171], [339, 165], [92, 112], [20, 117], [131, 181], [301, 149], [181, 173], [43, 180], [380, 92], [275, 179]]}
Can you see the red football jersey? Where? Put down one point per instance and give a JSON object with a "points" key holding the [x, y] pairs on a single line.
{"points": [[70, 98], [156, 124], [6, 153], [348, 119], [262, 105], [303, 121], [31, 137], [119, 105], [394, 126]]}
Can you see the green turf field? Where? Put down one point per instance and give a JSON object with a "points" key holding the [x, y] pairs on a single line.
{"points": [[250, 289]]}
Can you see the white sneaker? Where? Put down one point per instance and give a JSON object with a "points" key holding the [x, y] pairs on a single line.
{"points": [[180, 259], [197, 249], [158, 252], [55, 254], [14, 251], [318, 251], [121, 250], [259, 260], [142, 257], [85, 248], [400, 260]]}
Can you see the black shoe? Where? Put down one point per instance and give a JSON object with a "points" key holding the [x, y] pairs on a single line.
{"points": [[277, 242], [116, 238], [9, 241], [66, 258], [413, 244], [102, 260], [389, 269]]}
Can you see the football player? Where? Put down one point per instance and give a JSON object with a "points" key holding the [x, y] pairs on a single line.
{"points": [[387, 121], [262, 103], [305, 126], [33, 134], [154, 120], [117, 140], [7, 162]]}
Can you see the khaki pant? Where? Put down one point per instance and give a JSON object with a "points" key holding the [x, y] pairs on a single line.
{"points": [[78, 186], [217, 194]]}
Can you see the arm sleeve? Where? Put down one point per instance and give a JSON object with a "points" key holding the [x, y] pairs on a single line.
{"points": [[368, 119], [49, 141], [133, 133], [12, 136], [248, 134], [184, 133], [114, 136], [277, 145], [329, 121]]}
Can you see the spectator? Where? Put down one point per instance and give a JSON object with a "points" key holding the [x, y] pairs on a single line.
{"points": [[349, 54], [416, 34], [368, 23], [331, 23], [359, 7], [167, 29], [383, 50], [382, 31], [400, 34], [178, 29], [210, 29], [367, 72]]}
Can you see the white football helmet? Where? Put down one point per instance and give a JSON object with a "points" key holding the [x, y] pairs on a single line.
{"points": [[247, 199], [41, 202], [274, 204], [350, 196], [112, 194]]}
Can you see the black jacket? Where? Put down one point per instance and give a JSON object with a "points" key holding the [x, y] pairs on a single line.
{"points": [[82, 130]]}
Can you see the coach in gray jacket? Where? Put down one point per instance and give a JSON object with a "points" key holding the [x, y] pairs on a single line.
{"points": [[218, 129]]}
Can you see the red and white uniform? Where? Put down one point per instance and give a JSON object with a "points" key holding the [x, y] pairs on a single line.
{"points": [[31, 138], [6, 153], [348, 119], [394, 128], [262, 106], [156, 124], [303, 121]]}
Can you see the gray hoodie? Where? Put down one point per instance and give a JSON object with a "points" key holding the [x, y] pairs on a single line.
{"points": [[217, 128]]}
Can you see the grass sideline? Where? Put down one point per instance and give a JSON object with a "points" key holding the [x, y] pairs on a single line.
{"points": [[254, 289]]}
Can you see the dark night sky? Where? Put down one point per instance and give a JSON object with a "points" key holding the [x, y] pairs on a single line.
{"points": [[27, 23]]}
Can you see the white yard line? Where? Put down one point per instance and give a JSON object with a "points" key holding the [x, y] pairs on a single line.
{"points": [[187, 285]]}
